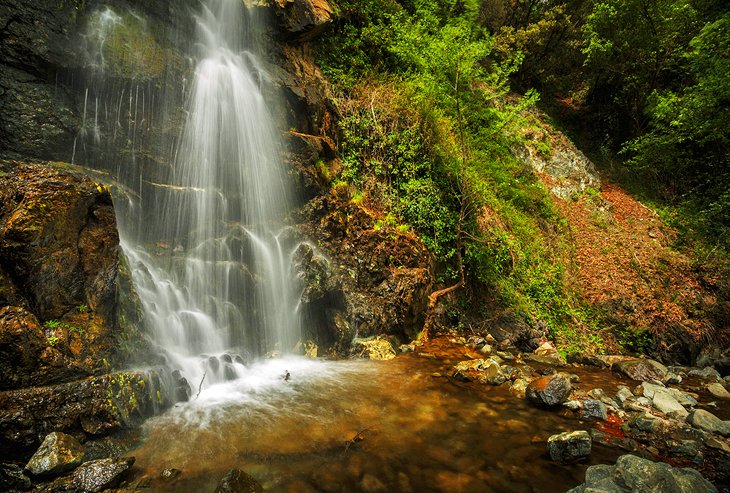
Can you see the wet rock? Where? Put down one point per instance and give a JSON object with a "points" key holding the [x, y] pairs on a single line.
{"points": [[707, 421], [57, 454], [673, 379], [170, 473], [718, 444], [636, 475], [573, 405], [666, 403], [717, 390], [519, 388], [587, 359], [12, 478], [649, 390], [59, 266], [492, 374], [593, 409], [95, 406], [546, 353], [641, 369], [376, 348], [623, 394], [706, 372], [510, 329], [569, 447], [21, 342], [686, 449], [549, 391], [600, 395], [102, 474], [237, 481]]}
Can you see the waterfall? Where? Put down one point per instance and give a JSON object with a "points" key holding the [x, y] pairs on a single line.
{"points": [[209, 256]]}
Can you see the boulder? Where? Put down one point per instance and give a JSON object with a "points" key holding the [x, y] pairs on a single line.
{"points": [[633, 474], [93, 407], [699, 418], [641, 369], [491, 373], [57, 454], [593, 409], [569, 447], [717, 390], [546, 353], [706, 372], [549, 391], [649, 390], [666, 403], [102, 474], [237, 481], [376, 348], [60, 277]]}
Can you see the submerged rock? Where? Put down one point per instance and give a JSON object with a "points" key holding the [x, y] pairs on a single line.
{"points": [[237, 481], [641, 369], [57, 454], [569, 447], [633, 474], [102, 474], [549, 391]]}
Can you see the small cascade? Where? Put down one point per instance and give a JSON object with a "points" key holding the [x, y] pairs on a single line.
{"points": [[203, 234]]}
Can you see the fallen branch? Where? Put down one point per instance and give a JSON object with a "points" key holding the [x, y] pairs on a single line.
{"points": [[359, 437], [200, 386]]}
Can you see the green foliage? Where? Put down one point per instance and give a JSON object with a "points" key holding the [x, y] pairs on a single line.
{"points": [[688, 137], [52, 340], [426, 131]]}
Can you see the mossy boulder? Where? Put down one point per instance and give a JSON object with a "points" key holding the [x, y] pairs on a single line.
{"points": [[62, 278], [57, 454], [93, 407]]}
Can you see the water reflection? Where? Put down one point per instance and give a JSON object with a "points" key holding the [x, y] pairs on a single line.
{"points": [[419, 433]]}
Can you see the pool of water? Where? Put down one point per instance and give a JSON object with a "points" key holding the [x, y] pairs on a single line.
{"points": [[359, 426]]}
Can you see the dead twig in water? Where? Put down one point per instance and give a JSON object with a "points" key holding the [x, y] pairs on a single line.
{"points": [[200, 386], [359, 437]]}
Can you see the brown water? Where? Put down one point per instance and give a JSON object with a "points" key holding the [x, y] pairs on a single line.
{"points": [[420, 433]]}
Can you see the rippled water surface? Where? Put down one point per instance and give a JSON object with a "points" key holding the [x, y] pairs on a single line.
{"points": [[419, 432]]}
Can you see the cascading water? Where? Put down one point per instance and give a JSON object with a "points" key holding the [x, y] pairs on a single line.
{"points": [[204, 241]]}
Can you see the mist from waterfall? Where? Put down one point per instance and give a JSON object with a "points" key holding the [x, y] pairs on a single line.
{"points": [[205, 240]]}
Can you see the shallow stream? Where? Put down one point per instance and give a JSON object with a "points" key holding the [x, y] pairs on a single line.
{"points": [[362, 426]]}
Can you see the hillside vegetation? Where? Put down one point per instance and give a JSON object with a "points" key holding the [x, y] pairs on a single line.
{"points": [[436, 98]]}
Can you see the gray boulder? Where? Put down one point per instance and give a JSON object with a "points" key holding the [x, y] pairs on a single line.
{"points": [[633, 474], [641, 369], [699, 418], [569, 447], [102, 474], [549, 391], [57, 454], [593, 409]]}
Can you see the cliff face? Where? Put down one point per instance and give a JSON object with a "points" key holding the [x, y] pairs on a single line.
{"points": [[51, 77]]}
